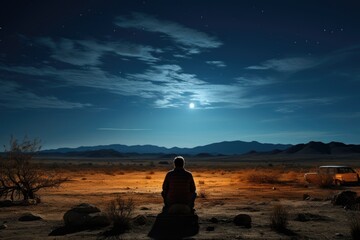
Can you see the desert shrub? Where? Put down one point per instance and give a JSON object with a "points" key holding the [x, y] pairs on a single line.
{"points": [[262, 176], [355, 226], [279, 218], [20, 177], [120, 212]]}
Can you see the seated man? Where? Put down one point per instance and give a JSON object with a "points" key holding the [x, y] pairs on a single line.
{"points": [[179, 186]]}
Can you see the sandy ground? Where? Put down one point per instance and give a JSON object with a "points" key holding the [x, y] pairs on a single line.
{"points": [[225, 191]]}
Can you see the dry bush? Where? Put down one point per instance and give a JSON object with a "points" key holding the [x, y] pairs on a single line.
{"points": [[120, 212], [355, 226], [279, 218], [263, 176], [20, 177]]}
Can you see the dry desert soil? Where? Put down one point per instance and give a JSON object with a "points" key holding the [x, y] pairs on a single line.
{"points": [[226, 187]]}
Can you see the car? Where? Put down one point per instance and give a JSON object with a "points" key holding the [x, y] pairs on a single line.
{"points": [[337, 175]]}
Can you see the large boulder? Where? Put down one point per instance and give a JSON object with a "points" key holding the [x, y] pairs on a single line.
{"points": [[85, 216], [242, 220], [344, 198]]}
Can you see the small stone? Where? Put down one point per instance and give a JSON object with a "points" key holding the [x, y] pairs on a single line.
{"points": [[306, 196], [274, 188], [3, 226], [29, 217], [140, 220], [210, 228], [339, 235], [144, 208], [242, 220], [214, 220]]}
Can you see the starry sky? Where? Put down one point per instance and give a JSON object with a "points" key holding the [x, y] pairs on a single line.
{"points": [[179, 73]]}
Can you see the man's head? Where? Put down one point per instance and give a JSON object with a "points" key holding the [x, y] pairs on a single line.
{"points": [[179, 162]]}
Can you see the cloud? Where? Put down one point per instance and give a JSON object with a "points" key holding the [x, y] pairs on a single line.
{"points": [[255, 81], [166, 86], [216, 63], [191, 39], [14, 96], [286, 64], [89, 52], [124, 129]]}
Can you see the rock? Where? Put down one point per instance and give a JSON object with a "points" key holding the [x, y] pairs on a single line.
{"points": [[243, 220], [306, 196], [140, 220], [339, 235], [344, 198], [305, 217], [3, 226], [85, 216], [210, 228], [85, 208], [144, 208], [213, 220], [6, 203], [274, 188], [29, 217]]}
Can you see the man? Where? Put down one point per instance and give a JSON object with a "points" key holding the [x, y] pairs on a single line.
{"points": [[179, 186]]}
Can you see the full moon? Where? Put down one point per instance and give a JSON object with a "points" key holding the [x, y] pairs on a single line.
{"points": [[191, 105]]}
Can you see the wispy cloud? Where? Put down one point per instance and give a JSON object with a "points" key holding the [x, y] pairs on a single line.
{"points": [[14, 96], [255, 81], [90, 52], [216, 63], [190, 39], [124, 129], [286, 64]]}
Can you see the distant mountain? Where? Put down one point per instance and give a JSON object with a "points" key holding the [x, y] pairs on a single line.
{"points": [[319, 148], [221, 148]]}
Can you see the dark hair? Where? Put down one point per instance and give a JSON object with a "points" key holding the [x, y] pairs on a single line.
{"points": [[179, 161]]}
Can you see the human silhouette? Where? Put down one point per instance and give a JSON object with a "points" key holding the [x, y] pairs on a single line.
{"points": [[179, 186]]}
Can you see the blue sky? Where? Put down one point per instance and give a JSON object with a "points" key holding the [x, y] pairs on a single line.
{"points": [[76, 73]]}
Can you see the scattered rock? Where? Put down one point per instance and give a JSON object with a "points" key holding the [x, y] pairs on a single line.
{"points": [[6, 203], [273, 188], [29, 217], [344, 198], [3, 226], [306, 196], [243, 220], [213, 220], [210, 228], [140, 220], [144, 208], [85, 216], [339, 235]]}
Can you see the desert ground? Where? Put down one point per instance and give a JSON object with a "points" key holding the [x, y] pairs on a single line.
{"points": [[226, 187]]}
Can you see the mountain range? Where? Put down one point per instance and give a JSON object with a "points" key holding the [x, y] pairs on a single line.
{"points": [[220, 148]]}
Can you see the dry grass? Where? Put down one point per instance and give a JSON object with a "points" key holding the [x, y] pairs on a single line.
{"points": [[279, 218], [261, 176], [355, 226], [119, 212]]}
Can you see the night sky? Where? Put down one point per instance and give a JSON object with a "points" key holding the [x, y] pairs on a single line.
{"points": [[179, 73]]}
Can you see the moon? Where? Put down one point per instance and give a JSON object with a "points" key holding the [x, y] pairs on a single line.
{"points": [[191, 105]]}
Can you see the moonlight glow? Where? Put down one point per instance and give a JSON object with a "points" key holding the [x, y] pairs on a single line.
{"points": [[191, 105]]}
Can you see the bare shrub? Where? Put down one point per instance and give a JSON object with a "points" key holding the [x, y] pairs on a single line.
{"points": [[20, 177], [120, 212], [263, 176], [355, 226], [279, 218]]}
